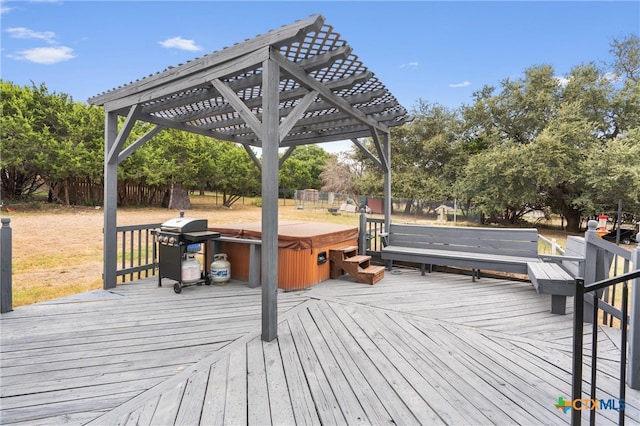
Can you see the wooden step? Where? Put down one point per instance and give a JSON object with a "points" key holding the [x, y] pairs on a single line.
{"points": [[371, 275], [346, 260], [343, 252], [361, 261], [337, 257]]}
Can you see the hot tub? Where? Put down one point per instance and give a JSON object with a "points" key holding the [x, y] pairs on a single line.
{"points": [[303, 250]]}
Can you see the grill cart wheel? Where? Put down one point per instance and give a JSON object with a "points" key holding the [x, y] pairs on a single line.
{"points": [[177, 288]]}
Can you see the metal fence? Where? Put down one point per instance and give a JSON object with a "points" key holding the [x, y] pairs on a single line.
{"points": [[447, 211]]}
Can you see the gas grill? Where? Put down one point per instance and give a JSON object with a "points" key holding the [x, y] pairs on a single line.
{"points": [[177, 239]]}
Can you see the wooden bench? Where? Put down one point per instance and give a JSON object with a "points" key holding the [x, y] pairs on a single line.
{"points": [[495, 249], [556, 275]]}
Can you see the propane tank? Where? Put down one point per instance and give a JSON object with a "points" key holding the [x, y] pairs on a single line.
{"points": [[220, 268], [190, 269]]}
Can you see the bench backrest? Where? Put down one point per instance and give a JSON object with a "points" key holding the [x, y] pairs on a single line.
{"points": [[504, 241], [576, 247]]}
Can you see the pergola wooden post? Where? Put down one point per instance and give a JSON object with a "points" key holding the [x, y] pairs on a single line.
{"points": [[270, 145], [293, 86]]}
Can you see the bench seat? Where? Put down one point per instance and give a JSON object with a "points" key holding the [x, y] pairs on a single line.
{"points": [[551, 278], [477, 248], [460, 259], [556, 274]]}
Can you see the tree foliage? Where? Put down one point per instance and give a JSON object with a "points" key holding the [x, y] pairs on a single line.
{"points": [[568, 144], [302, 169], [48, 141], [563, 144]]}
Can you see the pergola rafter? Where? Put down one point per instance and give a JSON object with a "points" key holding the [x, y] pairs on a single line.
{"points": [[300, 84]]}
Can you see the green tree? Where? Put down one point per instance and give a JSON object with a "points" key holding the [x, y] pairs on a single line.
{"points": [[613, 174], [47, 139], [20, 132], [553, 126], [302, 169], [427, 154], [76, 153], [235, 175]]}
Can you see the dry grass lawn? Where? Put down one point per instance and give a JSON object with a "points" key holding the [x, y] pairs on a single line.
{"points": [[57, 251]]}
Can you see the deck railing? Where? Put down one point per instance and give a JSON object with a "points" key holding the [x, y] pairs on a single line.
{"points": [[137, 252], [598, 295], [583, 293], [369, 237], [549, 246]]}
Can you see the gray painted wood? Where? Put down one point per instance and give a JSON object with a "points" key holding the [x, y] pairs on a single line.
{"points": [[6, 275], [110, 203], [257, 391], [277, 389], [302, 402], [270, 82], [414, 349], [506, 250]]}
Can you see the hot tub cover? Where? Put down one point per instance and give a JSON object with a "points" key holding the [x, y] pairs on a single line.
{"points": [[293, 235]]}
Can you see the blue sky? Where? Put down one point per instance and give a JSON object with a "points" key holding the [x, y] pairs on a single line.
{"points": [[440, 52]]}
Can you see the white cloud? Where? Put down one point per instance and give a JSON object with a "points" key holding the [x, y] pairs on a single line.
{"points": [[463, 84], [612, 77], [21, 32], [180, 43], [562, 81], [410, 64], [45, 55]]}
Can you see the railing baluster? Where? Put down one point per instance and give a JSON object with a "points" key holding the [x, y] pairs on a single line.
{"points": [[139, 250], [623, 349], [131, 255], [594, 357], [578, 323]]}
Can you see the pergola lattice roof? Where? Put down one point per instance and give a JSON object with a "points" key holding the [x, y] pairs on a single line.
{"points": [[347, 101]]}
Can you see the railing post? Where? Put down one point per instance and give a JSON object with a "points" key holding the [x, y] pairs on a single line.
{"points": [[578, 336], [362, 233], [633, 376], [590, 265], [6, 291]]}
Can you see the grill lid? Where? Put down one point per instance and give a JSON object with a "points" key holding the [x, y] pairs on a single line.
{"points": [[183, 224]]}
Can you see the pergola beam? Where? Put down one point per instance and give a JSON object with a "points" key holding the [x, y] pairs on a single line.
{"points": [[118, 143], [296, 113], [297, 73], [137, 144], [236, 85], [250, 119]]}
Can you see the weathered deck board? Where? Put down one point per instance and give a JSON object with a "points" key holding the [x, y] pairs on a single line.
{"points": [[433, 349], [94, 352]]}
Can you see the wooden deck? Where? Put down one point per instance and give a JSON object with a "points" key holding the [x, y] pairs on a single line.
{"points": [[412, 349]]}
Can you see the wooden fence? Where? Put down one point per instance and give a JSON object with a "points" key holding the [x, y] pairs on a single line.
{"points": [[86, 191]]}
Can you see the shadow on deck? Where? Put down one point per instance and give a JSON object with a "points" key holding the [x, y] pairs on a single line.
{"points": [[412, 349]]}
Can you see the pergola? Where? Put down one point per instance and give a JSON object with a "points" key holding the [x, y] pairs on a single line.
{"points": [[300, 84]]}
